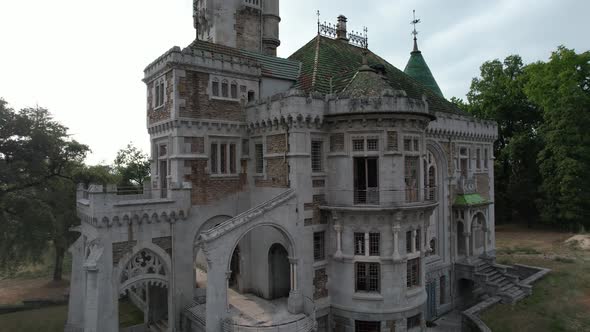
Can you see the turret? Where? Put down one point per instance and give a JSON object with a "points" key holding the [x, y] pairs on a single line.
{"points": [[271, 20]]}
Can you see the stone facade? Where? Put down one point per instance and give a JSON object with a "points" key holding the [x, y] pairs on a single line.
{"points": [[359, 209]]}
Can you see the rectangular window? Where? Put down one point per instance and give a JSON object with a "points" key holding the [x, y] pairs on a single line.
{"points": [[485, 158], [223, 157], [478, 158], [358, 145], [359, 244], [234, 91], [366, 181], [392, 141], [407, 144], [408, 242], [411, 178], [215, 88], [161, 94], [413, 322], [319, 246], [259, 158], [368, 277], [443, 289], [413, 272], [372, 144], [316, 156], [416, 145], [157, 95], [224, 89], [232, 159], [374, 239], [213, 158], [418, 248], [245, 147], [365, 326]]}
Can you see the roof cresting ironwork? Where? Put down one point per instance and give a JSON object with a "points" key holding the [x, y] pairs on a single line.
{"points": [[360, 39]]}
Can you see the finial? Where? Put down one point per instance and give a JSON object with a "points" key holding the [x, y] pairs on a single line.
{"points": [[318, 14], [366, 31], [415, 33]]}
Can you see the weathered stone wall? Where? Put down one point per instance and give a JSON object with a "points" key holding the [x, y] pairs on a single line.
{"points": [[120, 249], [248, 29], [207, 189], [320, 281], [483, 185], [194, 144], [193, 88]]}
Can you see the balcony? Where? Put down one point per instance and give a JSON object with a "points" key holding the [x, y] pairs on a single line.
{"points": [[108, 206], [382, 198]]}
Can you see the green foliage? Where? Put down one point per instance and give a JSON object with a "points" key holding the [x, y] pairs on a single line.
{"points": [[37, 191], [131, 166], [562, 88], [499, 95]]}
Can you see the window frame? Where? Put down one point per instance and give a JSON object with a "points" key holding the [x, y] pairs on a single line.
{"points": [[369, 275], [413, 271], [259, 158], [159, 93], [221, 159], [319, 246], [359, 244], [374, 244], [317, 156]]}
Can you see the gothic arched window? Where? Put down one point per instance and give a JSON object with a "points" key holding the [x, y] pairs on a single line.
{"points": [[224, 89], [215, 87], [234, 90]]}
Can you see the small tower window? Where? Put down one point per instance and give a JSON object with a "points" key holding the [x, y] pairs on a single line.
{"points": [[224, 89], [215, 87], [159, 93], [251, 95]]}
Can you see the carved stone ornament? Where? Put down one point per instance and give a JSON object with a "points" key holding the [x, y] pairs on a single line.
{"points": [[144, 262]]}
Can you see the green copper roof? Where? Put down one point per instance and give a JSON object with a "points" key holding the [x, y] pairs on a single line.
{"points": [[418, 70], [330, 65], [469, 199]]}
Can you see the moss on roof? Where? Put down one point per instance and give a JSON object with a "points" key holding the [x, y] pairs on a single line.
{"points": [[329, 65], [418, 69], [469, 200]]}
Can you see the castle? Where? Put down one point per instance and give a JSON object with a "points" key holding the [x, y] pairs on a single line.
{"points": [[326, 191]]}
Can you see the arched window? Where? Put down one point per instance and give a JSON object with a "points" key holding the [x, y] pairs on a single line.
{"points": [[430, 182], [215, 87], [224, 89], [234, 90]]}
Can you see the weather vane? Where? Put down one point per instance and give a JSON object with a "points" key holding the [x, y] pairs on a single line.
{"points": [[414, 22]]}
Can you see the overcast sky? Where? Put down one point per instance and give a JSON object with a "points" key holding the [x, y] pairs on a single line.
{"points": [[84, 59]]}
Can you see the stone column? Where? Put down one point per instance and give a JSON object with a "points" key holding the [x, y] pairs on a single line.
{"points": [[295, 301], [467, 235], [91, 306], [216, 295], [338, 229], [396, 229]]}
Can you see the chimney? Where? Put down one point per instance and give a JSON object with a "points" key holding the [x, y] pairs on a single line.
{"points": [[341, 32]]}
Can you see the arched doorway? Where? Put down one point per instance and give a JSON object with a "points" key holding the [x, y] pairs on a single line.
{"points": [[465, 288], [278, 262]]}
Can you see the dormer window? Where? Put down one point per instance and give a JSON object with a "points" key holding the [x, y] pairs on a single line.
{"points": [[159, 93], [215, 87]]}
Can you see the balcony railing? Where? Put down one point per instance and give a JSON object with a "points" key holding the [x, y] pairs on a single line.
{"points": [[382, 197]]}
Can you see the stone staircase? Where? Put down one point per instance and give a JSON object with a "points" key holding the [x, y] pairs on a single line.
{"points": [[496, 281], [159, 326]]}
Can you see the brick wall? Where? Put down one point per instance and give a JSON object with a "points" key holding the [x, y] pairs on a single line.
{"points": [[120, 249], [207, 189], [248, 29], [276, 168], [165, 112], [193, 89], [320, 281], [195, 144]]}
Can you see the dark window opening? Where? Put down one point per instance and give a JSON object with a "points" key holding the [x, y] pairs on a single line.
{"points": [[224, 89], [368, 277], [316, 156], [214, 158], [374, 239], [232, 159], [234, 90], [251, 96], [319, 239], [364, 326], [359, 244], [408, 242], [413, 322], [215, 88], [366, 181], [413, 272], [259, 158]]}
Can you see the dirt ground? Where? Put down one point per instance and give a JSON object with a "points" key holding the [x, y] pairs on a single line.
{"points": [[14, 291]]}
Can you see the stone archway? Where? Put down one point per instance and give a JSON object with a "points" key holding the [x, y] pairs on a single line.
{"points": [[199, 257], [478, 233], [144, 279]]}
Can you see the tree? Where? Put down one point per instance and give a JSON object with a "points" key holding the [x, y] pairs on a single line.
{"points": [[499, 95], [131, 166], [562, 88], [36, 161]]}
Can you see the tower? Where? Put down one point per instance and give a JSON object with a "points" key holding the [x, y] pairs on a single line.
{"points": [[251, 25]]}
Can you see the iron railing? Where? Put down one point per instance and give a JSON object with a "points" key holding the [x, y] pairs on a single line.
{"points": [[381, 196]]}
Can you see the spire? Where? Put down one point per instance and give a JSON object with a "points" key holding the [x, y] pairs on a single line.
{"points": [[417, 67], [415, 32]]}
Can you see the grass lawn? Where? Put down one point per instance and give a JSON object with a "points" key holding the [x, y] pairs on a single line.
{"points": [[50, 319], [561, 300]]}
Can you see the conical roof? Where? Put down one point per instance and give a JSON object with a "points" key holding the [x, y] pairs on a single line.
{"points": [[418, 70]]}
